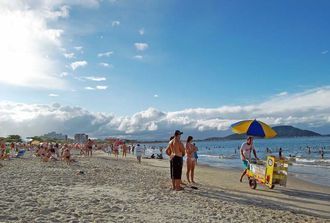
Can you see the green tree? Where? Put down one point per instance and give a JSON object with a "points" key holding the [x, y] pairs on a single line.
{"points": [[37, 138], [14, 138]]}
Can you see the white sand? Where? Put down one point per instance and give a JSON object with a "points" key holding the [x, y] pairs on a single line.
{"points": [[124, 191]]}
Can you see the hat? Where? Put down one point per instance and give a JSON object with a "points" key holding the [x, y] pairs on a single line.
{"points": [[178, 132]]}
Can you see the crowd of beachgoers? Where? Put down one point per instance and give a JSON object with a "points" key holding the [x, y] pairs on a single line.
{"points": [[48, 152]]}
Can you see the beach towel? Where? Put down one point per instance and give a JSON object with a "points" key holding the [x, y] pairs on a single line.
{"points": [[20, 154]]}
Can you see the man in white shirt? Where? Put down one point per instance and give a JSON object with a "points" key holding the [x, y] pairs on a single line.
{"points": [[245, 153], [138, 152]]}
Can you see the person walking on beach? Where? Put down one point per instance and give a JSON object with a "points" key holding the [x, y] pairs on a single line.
{"points": [[177, 152], [190, 151], [245, 152], [138, 152]]}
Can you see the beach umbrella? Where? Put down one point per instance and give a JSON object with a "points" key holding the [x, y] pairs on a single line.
{"points": [[35, 142], [118, 142], [253, 128]]}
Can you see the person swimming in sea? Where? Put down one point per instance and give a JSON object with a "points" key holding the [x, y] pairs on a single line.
{"points": [[322, 153]]}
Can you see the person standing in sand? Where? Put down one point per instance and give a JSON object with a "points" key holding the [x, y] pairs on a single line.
{"points": [[169, 152], [190, 151], [124, 148], [138, 152], [177, 152], [245, 152], [89, 146], [116, 150]]}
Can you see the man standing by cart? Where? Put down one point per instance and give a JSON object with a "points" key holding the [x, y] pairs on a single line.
{"points": [[245, 152]]}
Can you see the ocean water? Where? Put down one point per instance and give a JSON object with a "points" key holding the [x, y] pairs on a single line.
{"points": [[305, 165]]}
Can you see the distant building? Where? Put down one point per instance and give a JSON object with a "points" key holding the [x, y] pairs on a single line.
{"points": [[56, 136], [80, 138]]}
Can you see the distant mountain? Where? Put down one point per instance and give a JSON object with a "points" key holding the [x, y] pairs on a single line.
{"points": [[282, 131], [290, 131]]}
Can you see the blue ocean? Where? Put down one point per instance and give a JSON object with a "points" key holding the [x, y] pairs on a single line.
{"points": [[306, 161]]}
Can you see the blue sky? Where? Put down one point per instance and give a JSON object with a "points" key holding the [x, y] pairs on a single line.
{"points": [[167, 55]]}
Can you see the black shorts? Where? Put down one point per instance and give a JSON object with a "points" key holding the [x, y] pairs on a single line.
{"points": [[176, 167], [171, 169]]}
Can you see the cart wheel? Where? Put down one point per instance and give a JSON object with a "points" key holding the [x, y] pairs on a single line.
{"points": [[272, 187], [252, 183]]}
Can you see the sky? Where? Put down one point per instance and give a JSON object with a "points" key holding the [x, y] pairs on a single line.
{"points": [[141, 69]]}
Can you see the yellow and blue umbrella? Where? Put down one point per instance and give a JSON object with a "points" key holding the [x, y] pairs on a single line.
{"points": [[253, 128]]}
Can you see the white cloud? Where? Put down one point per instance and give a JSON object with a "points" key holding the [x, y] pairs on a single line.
{"points": [[77, 64], [28, 44], [115, 23], [309, 108], [105, 54], [325, 52], [93, 78], [105, 65], [63, 12], [101, 87], [284, 93], [78, 48], [141, 31], [53, 95], [64, 74], [141, 46], [138, 57], [156, 96], [68, 55], [31, 42]]}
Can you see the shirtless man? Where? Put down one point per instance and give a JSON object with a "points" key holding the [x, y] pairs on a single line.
{"points": [[177, 152], [89, 146]]}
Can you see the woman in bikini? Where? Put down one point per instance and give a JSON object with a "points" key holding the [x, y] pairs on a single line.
{"points": [[116, 151], [191, 161]]}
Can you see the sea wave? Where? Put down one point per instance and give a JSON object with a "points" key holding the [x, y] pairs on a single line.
{"points": [[221, 156], [319, 162], [208, 156], [232, 156]]}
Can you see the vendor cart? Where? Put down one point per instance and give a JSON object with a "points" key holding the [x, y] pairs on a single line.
{"points": [[273, 171]]}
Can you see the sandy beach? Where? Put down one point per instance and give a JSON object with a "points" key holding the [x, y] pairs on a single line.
{"points": [[101, 189]]}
